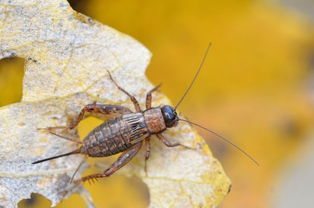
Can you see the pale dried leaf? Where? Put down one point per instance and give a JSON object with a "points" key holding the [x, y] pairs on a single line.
{"points": [[67, 57]]}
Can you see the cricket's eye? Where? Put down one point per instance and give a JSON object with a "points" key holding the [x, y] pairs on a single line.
{"points": [[170, 116]]}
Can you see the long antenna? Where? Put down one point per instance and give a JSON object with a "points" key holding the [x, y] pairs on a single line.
{"points": [[195, 76], [223, 138]]}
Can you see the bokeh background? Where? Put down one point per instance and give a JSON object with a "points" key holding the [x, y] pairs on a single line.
{"points": [[255, 88]]}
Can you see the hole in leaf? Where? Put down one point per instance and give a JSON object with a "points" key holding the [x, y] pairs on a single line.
{"points": [[142, 189], [87, 125], [79, 5], [75, 200], [35, 201], [11, 78], [123, 191]]}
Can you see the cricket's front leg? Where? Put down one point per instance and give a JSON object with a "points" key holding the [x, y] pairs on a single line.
{"points": [[170, 144], [119, 163], [149, 96], [132, 98], [147, 153]]}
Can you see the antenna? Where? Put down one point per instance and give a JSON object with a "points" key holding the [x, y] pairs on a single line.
{"points": [[224, 139], [195, 76]]}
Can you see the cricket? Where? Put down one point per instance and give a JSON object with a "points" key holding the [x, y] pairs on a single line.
{"points": [[127, 131]]}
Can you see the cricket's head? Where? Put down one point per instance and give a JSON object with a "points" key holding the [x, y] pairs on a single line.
{"points": [[170, 116]]}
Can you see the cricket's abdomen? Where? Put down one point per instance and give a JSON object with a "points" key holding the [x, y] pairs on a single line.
{"points": [[116, 135]]}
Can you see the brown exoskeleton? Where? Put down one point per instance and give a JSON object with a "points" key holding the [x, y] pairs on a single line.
{"points": [[128, 130]]}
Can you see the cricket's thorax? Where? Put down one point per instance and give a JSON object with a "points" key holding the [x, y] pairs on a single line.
{"points": [[154, 120]]}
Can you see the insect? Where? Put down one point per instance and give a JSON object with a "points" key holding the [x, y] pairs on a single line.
{"points": [[127, 131]]}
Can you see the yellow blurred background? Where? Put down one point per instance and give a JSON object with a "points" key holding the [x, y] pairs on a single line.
{"points": [[254, 88]]}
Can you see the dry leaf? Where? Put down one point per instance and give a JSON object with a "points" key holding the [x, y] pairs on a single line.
{"points": [[67, 57]]}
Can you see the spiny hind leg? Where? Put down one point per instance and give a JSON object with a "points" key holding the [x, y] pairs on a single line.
{"points": [[119, 163], [96, 110], [99, 110], [149, 96], [133, 99]]}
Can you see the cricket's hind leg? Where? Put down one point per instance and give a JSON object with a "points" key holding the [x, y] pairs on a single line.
{"points": [[119, 163], [96, 110], [99, 111]]}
